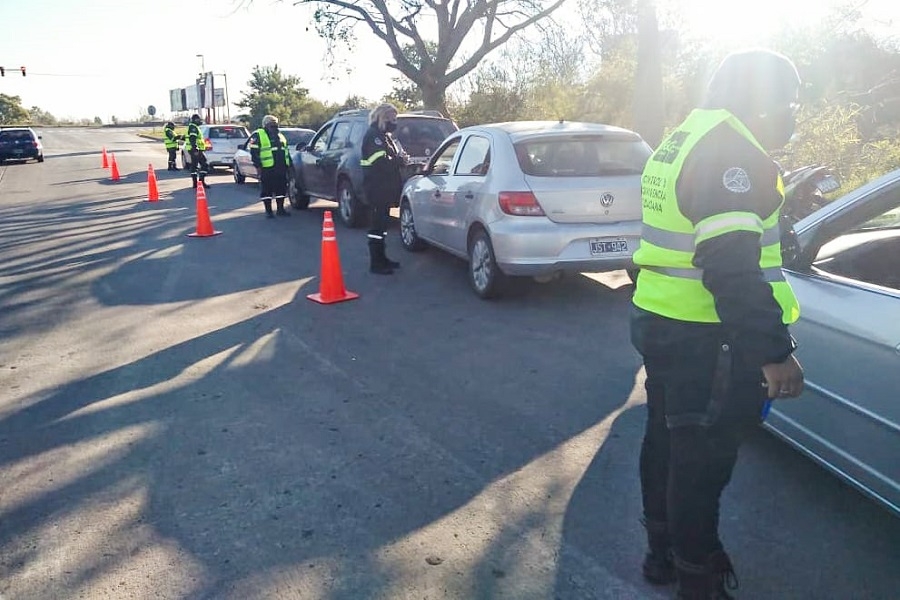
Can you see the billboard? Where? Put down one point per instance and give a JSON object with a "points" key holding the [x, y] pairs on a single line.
{"points": [[192, 97], [208, 89], [219, 97], [176, 100]]}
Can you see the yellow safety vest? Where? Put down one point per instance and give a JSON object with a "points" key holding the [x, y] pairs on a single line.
{"points": [[266, 156], [669, 284], [195, 130], [169, 139]]}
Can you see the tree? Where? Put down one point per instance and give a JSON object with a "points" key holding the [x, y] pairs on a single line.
{"points": [[466, 32], [11, 110], [274, 93], [36, 116]]}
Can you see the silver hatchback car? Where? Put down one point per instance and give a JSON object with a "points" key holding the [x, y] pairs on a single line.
{"points": [[529, 199]]}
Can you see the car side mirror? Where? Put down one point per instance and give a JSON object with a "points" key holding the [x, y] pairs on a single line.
{"points": [[40, 137]]}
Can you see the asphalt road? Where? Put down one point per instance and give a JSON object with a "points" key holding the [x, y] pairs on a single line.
{"points": [[177, 420]]}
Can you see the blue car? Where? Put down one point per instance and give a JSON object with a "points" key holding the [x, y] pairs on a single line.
{"points": [[20, 143]]}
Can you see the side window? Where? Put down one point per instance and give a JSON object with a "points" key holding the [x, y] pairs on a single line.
{"points": [[321, 142], [444, 159], [475, 157], [340, 136], [357, 133]]}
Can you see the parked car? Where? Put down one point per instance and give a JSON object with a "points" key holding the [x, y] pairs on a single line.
{"points": [[847, 278], [330, 167], [297, 138], [529, 199], [221, 143], [20, 143]]}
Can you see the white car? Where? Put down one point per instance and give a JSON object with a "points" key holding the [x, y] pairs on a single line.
{"points": [[529, 199], [297, 138], [221, 143]]}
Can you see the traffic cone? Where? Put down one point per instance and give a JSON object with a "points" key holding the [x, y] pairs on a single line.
{"points": [[331, 281], [204, 225], [105, 159], [114, 168], [152, 189]]}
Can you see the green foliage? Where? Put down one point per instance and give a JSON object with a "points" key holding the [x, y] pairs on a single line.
{"points": [[274, 93], [11, 110]]}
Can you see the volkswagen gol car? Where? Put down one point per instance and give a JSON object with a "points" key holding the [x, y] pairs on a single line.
{"points": [[222, 142], [846, 276], [529, 199]]}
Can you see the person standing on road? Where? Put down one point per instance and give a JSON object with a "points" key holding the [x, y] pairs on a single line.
{"points": [[711, 311], [196, 145], [269, 153], [171, 142], [382, 182]]}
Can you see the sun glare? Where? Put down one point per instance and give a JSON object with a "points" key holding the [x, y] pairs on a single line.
{"points": [[742, 23]]}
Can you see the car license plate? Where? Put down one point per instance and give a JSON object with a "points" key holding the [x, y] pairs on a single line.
{"points": [[608, 246], [18, 151]]}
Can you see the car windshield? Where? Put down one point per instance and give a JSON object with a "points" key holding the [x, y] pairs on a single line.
{"points": [[227, 133], [582, 156], [421, 137], [20, 134], [297, 137]]}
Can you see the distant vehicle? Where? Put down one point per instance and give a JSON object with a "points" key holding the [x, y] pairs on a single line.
{"points": [[846, 274], [20, 143], [221, 143], [330, 166], [529, 199], [297, 138]]}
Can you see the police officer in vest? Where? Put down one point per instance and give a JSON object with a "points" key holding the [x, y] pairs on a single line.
{"points": [[171, 142], [382, 182], [270, 154], [711, 311], [196, 145]]}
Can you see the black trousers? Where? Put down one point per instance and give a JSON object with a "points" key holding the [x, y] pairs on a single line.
{"points": [[702, 401], [379, 216], [172, 153]]}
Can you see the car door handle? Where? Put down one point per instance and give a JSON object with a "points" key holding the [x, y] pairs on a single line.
{"points": [[470, 196], [437, 194]]}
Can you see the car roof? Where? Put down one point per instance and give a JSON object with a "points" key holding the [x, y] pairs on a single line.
{"points": [[519, 130]]}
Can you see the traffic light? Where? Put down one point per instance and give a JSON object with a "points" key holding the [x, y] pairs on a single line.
{"points": [[23, 71]]}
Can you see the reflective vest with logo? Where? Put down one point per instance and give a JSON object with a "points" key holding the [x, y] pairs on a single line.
{"points": [[195, 130], [266, 156], [669, 283], [169, 138]]}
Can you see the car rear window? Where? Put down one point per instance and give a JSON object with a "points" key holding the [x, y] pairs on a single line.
{"points": [[421, 137], [228, 133], [583, 157], [19, 134]]}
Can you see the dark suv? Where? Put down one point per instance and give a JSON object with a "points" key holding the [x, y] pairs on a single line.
{"points": [[329, 167], [20, 143]]}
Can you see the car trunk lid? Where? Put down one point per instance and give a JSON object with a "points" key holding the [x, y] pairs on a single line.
{"points": [[588, 199]]}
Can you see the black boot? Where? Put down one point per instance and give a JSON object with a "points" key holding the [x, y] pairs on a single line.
{"points": [[268, 204], [194, 180], [279, 201], [377, 262], [706, 582], [658, 567], [391, 263]]}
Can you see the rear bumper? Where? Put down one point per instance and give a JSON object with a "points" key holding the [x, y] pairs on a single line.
{"points": [[23, 155], [534, 246]]}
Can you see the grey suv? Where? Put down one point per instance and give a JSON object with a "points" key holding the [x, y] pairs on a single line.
{"points": [[329, 166]]}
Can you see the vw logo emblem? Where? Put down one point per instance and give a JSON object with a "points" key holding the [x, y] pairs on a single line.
{"points": [[607, 199]]}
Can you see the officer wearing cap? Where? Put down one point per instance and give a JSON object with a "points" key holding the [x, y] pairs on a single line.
{"points": [[711, 311], [171, 142], [269, 153], [196, 145]]}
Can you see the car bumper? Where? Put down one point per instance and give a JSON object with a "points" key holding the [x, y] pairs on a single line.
{"points": [[23, 155], [219, 159], [542, 247]]}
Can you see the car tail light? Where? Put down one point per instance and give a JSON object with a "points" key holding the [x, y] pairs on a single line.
{"points": [[522, 204], [208, 143], [34, 143]]}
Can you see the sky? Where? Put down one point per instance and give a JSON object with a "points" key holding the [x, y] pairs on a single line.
{"points": [[105, 58]]}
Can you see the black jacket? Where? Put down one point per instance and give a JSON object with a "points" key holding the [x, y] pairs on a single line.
{"points": [[381, 164]]}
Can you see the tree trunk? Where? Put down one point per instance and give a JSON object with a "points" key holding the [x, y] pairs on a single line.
{"points": [[649, 105], [434, 97]]}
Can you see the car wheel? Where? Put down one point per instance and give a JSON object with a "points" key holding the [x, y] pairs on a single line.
{"points": [[348, 205], [298, 199], [485, 276], [40, 158], [408, 236], [238, 176]]}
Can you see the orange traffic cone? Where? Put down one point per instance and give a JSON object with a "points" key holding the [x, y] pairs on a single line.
{"points": [[152, 189], [114, 168], [105, 159], [331, 282], [204, 225]]}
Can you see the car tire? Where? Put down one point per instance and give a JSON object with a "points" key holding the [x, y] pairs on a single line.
{"points": [[238, 176], [408, 235], [297, 198], [348, 205], [485, 276]]}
